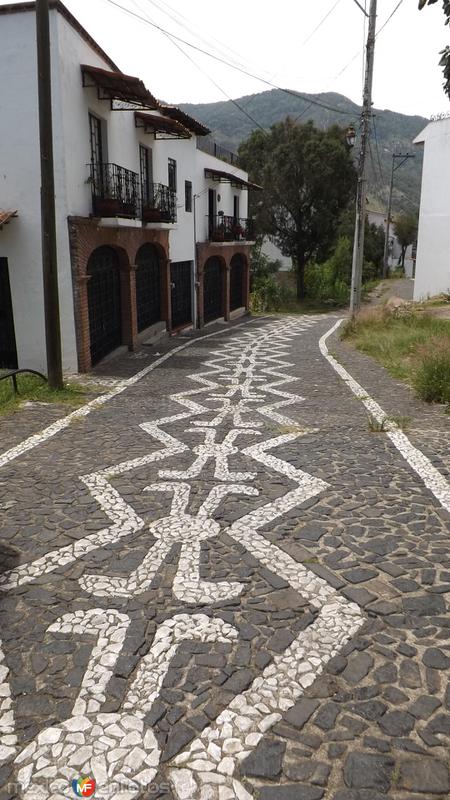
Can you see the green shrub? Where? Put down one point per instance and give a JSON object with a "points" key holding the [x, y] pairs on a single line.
{"points": [[329, 282], [432, 378], [266, 294]]}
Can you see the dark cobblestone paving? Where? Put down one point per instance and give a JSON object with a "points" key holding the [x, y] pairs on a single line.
{"points": [[221, 584]]}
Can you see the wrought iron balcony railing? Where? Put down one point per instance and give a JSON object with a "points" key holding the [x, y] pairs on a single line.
{"points": [[230, 229], [115, 191], [160, 204], [208, 145]]}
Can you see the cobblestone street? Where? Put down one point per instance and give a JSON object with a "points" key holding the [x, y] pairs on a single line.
{"points": [[220, 582]]}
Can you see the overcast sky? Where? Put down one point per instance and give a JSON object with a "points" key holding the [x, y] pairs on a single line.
{"points": [[275, 41]]}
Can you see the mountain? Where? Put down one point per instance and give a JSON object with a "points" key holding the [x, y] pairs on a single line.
{"points": [[394, 131]]}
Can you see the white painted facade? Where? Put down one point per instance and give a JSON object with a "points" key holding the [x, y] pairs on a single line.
{"points": [[20, 241], [433, 243]]}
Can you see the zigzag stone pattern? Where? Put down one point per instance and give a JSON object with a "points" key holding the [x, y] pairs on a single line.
{"points": [[225, 425]]}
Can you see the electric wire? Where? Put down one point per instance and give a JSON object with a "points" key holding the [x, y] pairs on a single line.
{"points": [[222, 49], [249, 74], [374, 122], [324, 19], [349, 63], [390, 17], [204, 73]]}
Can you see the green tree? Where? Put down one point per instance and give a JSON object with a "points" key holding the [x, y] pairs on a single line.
{"points": [[405, 228], [373, 243], [308, 178], [445, 54]]}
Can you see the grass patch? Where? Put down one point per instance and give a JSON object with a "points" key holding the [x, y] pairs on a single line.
{"points": [[413, 345], [34, 389]]}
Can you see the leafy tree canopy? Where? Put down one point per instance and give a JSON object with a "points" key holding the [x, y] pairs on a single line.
{"points": [[308, 178], [445, 54]]}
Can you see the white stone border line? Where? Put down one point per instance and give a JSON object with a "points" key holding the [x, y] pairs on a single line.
{"points": [[42, 436], [421, 465]]}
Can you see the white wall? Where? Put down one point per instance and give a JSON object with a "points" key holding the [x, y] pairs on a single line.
{"points": [[433, 243], [20, 241], [225, 190]]}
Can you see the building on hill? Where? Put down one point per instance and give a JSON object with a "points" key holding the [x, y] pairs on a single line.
{"points": [[379, 218], [433, 241], [152, 232]]}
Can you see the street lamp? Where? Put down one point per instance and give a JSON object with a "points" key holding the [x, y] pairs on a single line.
{"points": [[350, 136]]}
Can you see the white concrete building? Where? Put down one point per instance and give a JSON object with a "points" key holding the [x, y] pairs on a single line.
{"points": [[433, 242], [152, 232]]}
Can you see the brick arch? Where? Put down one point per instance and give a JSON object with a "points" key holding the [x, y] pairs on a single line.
{"points": [[151, 285], [85, 236], [239, 282], [221, 307]]}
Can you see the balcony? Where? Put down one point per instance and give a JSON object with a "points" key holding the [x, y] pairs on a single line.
{"points": [[208, 145], [160, 205], [230, 229], [117, 192]]}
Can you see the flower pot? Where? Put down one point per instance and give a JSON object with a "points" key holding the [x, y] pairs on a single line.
{"points": [[151, 215], [106, 206]]}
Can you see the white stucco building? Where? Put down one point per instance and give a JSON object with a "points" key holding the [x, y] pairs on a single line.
{"points": [[433, 242], [152, 231]]}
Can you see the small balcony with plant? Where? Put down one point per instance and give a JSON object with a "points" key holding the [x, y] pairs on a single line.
{"points": [[115, 191], [223, 228], [159, 204]]}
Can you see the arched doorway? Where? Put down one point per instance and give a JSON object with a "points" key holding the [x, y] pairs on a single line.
{"points": [[105, 318], [212, 289], [237, 274], [148, 287]]}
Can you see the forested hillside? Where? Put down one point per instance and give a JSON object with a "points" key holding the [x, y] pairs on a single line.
{"points": [[391, 131]]}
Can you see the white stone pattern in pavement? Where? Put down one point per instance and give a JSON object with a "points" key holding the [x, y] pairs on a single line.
{"points": [[8, 738], [246, 379], [422, 466]]}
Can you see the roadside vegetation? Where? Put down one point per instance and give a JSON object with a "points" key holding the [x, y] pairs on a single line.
{"points": [[412, 343], [34, 389]]}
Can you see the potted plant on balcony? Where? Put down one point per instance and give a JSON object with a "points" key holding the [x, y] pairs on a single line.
{"points": [[150, 214], [238, 231], [218, 233], [107, 206]]}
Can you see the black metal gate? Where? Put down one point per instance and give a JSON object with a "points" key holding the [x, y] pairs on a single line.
{"points": [[105, 318], [212, 290], [236, 283], [8, 352], [181, 293], [148, 287]]}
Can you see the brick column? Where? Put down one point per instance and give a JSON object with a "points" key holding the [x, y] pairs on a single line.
{"points": [[82, 327], [226, 292], [246, 287], [201, 295], [166, 306], [128, 305]]}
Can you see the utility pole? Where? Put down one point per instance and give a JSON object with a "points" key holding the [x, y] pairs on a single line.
{"points": [[48, 216], [358, 244], [395, 167]]}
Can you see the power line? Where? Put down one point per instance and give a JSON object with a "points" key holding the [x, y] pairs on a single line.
{"points": [[222, 49], [377, 147], [378, 33], [324, 19], [199, 68], [227, 63], [390, 17]]}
